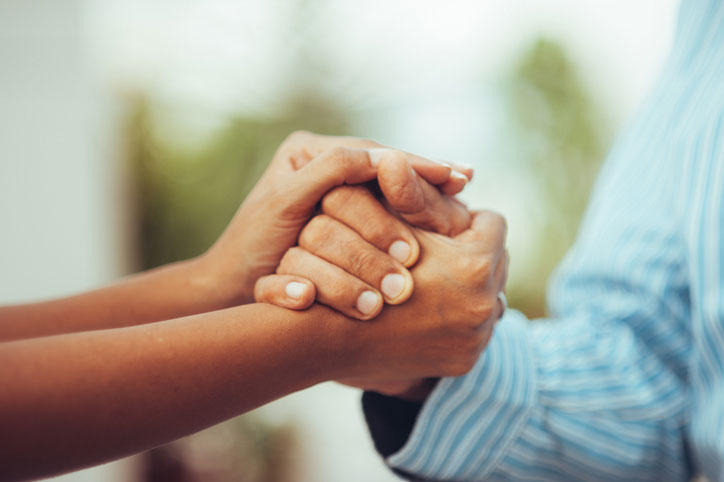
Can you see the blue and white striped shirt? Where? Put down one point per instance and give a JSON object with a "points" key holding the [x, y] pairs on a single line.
{"points": [[625, 381]]}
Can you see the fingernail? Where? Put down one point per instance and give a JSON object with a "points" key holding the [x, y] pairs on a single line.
{"points": [[367, 302], [376, 154], [458, 175], [400, 250], [392, 285], [295, 290]]}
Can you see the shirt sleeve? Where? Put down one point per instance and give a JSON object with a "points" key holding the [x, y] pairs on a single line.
{"points": [[552, 400], [703, 198]]}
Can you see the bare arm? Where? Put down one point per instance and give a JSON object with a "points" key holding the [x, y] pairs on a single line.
{"points": [[80, 399], [88, 379], [172, 291], [304, 168]]}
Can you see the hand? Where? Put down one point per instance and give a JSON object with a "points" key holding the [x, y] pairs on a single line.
{"points": [[303, 170], [449, 318], [344, 254], [355, 253], [417, 389]]}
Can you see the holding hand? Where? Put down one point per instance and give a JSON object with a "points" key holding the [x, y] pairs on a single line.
{"points": [[355, 252], [305, 167], [343, 253], [447, 321], [117, 367]]}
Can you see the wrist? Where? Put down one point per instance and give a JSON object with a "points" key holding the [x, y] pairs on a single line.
{"points": [[224, 278], [328, 344], [214, 285]]}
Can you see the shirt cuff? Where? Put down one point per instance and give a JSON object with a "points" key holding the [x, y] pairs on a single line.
{"points": [[468, 423], [390, 420]]}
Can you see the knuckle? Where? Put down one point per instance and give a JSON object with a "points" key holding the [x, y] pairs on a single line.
{"points": [[378, 231], [483, 309], [338, 160], [316, 230], [483, 267], [290, 260], [340, 196], [337, 292], [476, 268], [339, 154], [405, 194], [361, 260]]}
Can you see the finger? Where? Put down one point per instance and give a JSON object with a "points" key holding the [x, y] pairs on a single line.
{"points": [[442, 214], [455, 183], [287, 291], [304, 146], [464, 169], [334, 167], [337, 243], [432, 171], [489, 229], [359, 209], [403, 189], [335, 287], [401, 186]]}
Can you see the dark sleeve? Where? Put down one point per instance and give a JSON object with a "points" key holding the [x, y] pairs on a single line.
{"points": [[390, 421]]}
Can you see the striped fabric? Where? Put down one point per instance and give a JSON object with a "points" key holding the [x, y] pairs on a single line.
{"points": [[625, 381]]}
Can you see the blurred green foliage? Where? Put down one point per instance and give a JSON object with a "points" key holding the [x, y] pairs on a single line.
{"points": [[557, 135]]}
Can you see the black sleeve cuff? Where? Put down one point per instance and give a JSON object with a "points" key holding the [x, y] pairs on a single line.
{"points": [[390, 420]]}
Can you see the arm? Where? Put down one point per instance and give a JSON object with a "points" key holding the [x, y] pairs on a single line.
{"points": [[304, 168], [79, 399], [172, 291], [568, 400], [704, 237], [602, 394]]}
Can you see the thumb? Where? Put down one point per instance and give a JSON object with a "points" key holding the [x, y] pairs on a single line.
{"points": [[418, 202], [334, 167], [401, 186]]}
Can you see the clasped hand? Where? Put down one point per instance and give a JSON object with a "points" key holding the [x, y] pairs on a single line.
{"points": [[405, 243]]}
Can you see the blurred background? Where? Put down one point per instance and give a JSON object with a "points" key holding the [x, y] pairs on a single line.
{"points": [[131, 131]]}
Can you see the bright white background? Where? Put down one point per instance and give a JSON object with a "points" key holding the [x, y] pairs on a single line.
{"points": [[411, 73]]}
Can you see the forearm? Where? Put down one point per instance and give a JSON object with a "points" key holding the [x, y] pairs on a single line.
{"points": [[75, 400], [573, 400], [172, 291]]}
